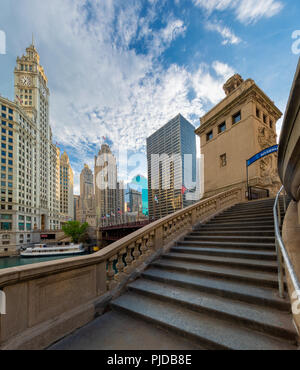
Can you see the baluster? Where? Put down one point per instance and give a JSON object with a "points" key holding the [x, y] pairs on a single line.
{"points": [[166, 231], [170, 228], [136, 252], [120, 265], [151, 242], [144, 248], [174, 226], [129, 258], [110, 273]]}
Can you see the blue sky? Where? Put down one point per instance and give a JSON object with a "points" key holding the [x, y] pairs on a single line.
{"points": [[122, 69]]}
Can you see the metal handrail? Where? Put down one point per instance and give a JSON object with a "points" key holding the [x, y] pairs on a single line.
{"points": [[282, 255]]}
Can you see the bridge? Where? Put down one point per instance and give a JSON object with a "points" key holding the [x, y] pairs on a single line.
{"points": [[112, 233], [208, 273]]}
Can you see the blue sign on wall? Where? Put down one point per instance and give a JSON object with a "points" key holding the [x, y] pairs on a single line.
{"points": [[262, 154]]}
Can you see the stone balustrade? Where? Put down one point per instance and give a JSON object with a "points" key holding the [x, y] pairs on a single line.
{"points": [[47, 301]]}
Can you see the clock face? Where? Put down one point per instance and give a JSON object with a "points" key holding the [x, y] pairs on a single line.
{"points": [[26, 81]]}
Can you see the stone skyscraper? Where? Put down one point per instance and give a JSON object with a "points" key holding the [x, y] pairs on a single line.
{"points": [[106, 183], [66, 189], [87, 208], [30, 162]]}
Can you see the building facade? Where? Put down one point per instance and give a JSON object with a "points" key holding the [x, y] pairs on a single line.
{"points": [[135, 201], [105, 184], [171, 157], [66, 189], [87, 208], [240, 126], [30, 163]]}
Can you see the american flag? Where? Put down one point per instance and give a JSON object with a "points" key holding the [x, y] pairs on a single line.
{"points": [[183, 190], [20, 100]]}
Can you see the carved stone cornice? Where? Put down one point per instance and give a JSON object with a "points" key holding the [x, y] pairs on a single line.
{"points": [[253, 93]]}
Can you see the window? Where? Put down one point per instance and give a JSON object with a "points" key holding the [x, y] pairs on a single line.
{"points": [[222, 127], [257, 113], [6, 225], [223, 160], [271, 123], [265, 118], [236, 118], [209, 136]]}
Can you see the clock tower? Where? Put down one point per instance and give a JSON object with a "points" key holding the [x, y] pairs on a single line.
{"points": [[31, 91], [32, 94]]}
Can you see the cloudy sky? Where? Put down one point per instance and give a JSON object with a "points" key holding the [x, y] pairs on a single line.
{"points": [[121, 69]]}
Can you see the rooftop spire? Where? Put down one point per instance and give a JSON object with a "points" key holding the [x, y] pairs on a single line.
{"points": [[32, 39]]}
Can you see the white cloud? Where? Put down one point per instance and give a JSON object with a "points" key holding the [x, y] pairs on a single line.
{"points": [[100, 86], [247, 11], [227, 34]]}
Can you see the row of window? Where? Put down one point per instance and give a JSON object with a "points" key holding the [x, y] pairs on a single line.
{"points": [[5, 109], [265, 118], [222, 127]]}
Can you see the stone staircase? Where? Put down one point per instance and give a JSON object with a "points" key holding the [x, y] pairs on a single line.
{"points": [[216, 289]]}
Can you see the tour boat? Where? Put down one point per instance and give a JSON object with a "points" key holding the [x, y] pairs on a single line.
{"points": [[42, 250]]}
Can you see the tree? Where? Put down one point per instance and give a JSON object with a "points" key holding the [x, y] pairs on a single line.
{"points": [[75, 230]]}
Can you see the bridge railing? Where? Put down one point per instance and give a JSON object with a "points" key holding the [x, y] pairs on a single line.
{"points": [[47, 301]]}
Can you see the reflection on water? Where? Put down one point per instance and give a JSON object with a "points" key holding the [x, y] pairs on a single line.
{"points": [[8, 262]]}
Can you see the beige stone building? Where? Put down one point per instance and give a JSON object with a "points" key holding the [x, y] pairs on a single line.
{"points": [[240, 126], [66, 189], [30, 162], [87, 209], [105, 183]]}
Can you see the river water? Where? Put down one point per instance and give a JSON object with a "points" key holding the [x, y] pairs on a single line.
{"points": [[8, 262]]}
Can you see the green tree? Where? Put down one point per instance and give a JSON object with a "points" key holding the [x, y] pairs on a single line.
{"points": [[75, 230]]}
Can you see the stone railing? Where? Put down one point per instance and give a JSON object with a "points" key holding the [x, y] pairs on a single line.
{"points": [[47, 301], [289, 171]]}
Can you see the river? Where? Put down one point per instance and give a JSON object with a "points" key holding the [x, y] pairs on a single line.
{"points": [[8, 262]]}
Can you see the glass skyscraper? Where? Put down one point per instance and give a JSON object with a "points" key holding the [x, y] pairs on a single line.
{"points": [[171, 156]]}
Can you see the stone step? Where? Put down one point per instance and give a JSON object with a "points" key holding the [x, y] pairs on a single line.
{"points": [[250, 211], [257, 278], [235, 253], [258, 265], [230, 245], [197, 326], [245, 217], [239, 291], [262, 319], [226, 227], [122, 333], [244, 222], [235, 232], [230, 238]]}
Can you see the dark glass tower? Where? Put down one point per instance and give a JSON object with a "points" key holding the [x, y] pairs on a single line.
{"points": [[177, 138]]}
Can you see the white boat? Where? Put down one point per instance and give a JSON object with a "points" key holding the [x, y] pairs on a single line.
{"points": [[42, 250]]}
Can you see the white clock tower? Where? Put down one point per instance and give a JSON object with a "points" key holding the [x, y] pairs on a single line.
{"points": [[32, 93]]}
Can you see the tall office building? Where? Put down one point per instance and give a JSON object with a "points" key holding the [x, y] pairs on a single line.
{"points": [[171, 156], [120, 198], [30, 163], [66, 189], [105, 183], [87, 209], [135, 201]]}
